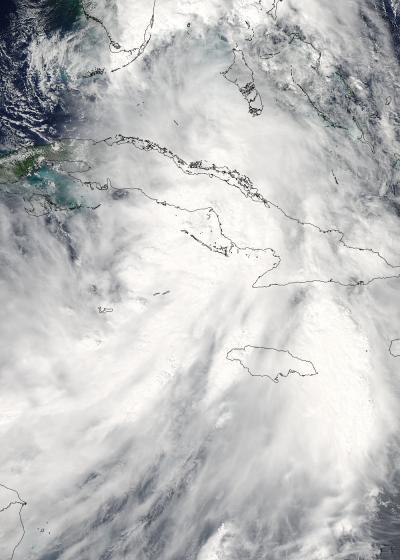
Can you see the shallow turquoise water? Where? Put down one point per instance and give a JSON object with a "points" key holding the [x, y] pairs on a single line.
{"points": [[61, 188]]}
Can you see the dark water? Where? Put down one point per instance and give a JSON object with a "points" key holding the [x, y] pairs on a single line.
{"points": [[7, 7], [27, 114], [392, 16], [391, 13], [62, 15]]}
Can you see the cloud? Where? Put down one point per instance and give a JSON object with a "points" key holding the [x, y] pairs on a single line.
{"points": [[129, 433]]}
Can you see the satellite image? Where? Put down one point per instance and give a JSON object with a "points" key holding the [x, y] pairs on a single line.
{"points": [[199, 279]]}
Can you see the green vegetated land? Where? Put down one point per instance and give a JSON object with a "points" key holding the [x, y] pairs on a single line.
{"points": [[18, 164], [38, 174]]}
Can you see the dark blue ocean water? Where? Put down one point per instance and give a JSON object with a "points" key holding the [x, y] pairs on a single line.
{"points": [[27, 114], [7, 7]]}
